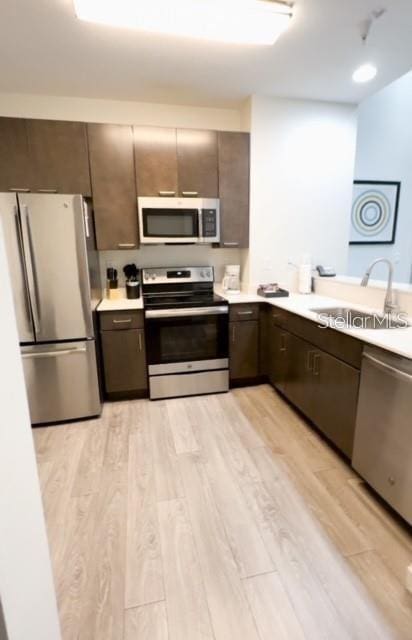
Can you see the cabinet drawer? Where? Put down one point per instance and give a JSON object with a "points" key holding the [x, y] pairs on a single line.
{"points": [[239, 312], [118, 320]]}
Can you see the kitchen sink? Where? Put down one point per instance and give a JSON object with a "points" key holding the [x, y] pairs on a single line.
{"points": [[345, 317]]}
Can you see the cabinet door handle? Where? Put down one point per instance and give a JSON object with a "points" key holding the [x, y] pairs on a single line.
{"points": [[165, 194], [46, 190], [233, 334], [230, 244], [127, 321], [316, 364], [309, 360], [190, 194], [19, 189], [283, 342], [126, 245], [140, 342]]}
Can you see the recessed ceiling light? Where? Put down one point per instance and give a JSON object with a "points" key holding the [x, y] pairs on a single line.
{"points": [[234, 21], [365, 73]]}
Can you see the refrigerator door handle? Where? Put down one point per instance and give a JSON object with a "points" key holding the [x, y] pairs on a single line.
{"points": [[54, 354], [27, 301], [31, 273]]}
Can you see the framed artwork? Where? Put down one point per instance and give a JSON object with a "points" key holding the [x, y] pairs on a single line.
{"points": [[374, 212]]}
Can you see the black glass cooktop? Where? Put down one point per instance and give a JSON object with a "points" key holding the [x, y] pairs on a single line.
{"points": [[176, 300]]}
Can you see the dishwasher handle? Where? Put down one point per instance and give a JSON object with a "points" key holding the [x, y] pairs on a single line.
{"points": [[402, 375]]}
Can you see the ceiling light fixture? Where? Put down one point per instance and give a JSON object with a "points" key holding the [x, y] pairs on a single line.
{"points": [[365, 73], [232, 21]]}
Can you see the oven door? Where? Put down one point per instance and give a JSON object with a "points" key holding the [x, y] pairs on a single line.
{"points": [[169, 220], [183, 340]]}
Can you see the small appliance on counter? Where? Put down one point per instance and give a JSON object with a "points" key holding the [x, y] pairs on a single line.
{"points": [[272, 291], [231, 279], [132, 281], [112, 284]]}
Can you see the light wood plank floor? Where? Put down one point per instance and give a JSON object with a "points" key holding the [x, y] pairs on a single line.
{"points": [[216, 518]]}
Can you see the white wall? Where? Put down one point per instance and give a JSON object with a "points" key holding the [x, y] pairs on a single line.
{"points": [[119, 112], [26, 583], [302, 157], [384, 152]]}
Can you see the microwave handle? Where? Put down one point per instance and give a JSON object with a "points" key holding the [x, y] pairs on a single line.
{"points": [[200, 230]]}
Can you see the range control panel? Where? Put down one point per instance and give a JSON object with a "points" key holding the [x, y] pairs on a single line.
{"points": [[169, 275]]}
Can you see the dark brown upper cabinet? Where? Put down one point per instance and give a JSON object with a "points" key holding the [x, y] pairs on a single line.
{"points": [[197, 163], [113, 185], [234, 171], [156, 161], [59, 157], [14, 155]]}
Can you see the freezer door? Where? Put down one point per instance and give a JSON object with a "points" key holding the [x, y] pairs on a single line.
{"points": [[61, 381], [9, 219], [56, 257]]}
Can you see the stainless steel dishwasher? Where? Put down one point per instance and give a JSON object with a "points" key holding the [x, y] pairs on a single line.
{"points": [[382, 452]]}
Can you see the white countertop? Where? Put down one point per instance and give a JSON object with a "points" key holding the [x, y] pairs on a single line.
{"points": [[398, 341], [121, 304]]}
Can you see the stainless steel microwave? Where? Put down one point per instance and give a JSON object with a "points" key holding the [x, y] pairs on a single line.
{"points": [[179, 220]]}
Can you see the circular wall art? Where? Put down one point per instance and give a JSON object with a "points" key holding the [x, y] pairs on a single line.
{"points": [[374, 212], [371, 213]]}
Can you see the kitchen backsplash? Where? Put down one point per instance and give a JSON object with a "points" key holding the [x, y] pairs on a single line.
{"points": [[173, 256]]}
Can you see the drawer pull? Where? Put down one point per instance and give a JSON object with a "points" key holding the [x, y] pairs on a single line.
{"points": [[165, 194], [46, 190], [21, 190], [126, 245], [244, 313], [190, 194], [230, 244], [127, 321]]}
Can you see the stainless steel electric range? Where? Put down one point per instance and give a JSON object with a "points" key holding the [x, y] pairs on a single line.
{"points": [[187, 329]]}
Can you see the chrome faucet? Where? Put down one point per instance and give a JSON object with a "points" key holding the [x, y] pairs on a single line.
{"points": [[390, 305]]}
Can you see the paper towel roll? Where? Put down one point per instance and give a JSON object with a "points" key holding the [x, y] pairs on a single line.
{"points": [[305, 278]]}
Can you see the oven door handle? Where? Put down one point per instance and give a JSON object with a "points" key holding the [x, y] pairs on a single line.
{"points": [[191, 311]]}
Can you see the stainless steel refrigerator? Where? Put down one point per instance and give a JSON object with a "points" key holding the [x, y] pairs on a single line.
{"points": [[54, 273]]}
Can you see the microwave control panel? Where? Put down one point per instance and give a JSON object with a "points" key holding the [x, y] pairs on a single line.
{"points": [[209, 223]]}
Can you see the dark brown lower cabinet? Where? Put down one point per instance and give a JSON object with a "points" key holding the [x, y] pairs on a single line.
{"points": [[124, 362], [300, 384], [336, 395], [323, 387], [276, 352], [244, 350]]}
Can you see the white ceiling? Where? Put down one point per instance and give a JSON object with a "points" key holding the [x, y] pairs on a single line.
{"points": [[44, 49]]}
